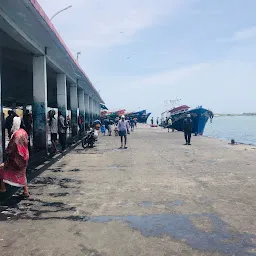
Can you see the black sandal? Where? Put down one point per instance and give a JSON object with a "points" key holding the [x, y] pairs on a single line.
{"points": [[25, 195]]}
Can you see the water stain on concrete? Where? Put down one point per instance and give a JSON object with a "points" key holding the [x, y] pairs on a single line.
{"points": [[75, 170], [54, 181], [59, 194], [181, 227], [189, 228]]}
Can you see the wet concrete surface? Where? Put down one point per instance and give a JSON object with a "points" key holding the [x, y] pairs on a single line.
{"points": [[156, 198]]}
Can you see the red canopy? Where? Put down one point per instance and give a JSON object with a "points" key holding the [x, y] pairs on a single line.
{"points": [[180, 108]]}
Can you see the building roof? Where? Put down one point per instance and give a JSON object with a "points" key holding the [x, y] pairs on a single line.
{"points": [[26, 22]]}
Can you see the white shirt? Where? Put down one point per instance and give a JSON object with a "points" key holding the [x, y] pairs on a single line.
{"points": [[54, 126], [123, 126]]}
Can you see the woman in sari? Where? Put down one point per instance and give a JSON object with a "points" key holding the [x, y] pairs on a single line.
{"points": [[13, 170]]}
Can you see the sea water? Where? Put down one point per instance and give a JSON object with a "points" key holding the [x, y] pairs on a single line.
{"points": [[240, 128]]}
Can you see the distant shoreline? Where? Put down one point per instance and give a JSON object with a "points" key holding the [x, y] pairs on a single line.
{"points": [[245, 114]]}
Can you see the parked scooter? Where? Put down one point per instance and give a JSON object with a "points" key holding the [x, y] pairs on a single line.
{"points": [[90, 139]]}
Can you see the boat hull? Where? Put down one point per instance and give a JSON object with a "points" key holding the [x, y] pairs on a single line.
{"points": [[142, 116], [199, 117]]}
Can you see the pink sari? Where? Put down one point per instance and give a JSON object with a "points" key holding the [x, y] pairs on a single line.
{"points": [[17, 155]]}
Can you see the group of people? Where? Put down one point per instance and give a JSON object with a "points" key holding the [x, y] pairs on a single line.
{"points": [[122, 127], [13, 169], [57, 126]]}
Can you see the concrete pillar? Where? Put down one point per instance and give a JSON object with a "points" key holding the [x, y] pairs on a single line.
{"points": [[98, 109], [81, 105], [74, 107], [90, 109], [93, 114], [87, 112], [94, 109], [62, 94], [39, 103], [2, 141]]}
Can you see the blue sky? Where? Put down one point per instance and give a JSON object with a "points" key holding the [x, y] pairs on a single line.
{"points": [[141, 53]]}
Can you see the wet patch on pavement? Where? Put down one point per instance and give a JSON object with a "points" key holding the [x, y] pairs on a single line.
{"points": [[59, 194], [205, 232], [182, 227], [75, 170], [54, 181]]}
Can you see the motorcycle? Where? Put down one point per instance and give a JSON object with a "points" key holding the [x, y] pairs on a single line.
{"points": [[90, 139]]}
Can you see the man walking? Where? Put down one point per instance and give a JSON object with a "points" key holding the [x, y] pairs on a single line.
{"points": [[187, 128], [123, 128], [62, 131]]}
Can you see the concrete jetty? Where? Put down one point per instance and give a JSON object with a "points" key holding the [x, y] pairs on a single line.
{"points": [[158, 197]]}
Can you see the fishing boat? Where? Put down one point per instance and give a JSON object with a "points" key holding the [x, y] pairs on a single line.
{"points": [[141, 116], [199, 116]]}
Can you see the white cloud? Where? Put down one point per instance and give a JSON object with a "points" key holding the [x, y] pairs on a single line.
{"points": [[97, 23], [241, 35], [167, 78]]}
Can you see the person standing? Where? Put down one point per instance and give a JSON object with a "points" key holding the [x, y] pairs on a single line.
{"points": [[169, 124], [8, 122], [62, 131], [187, 128], [123, 128], [106, 123], [13, 170], [80, 124], [132, 124], [27, 121], [53, 124], [135, 121], [157, 121], [152, 121], [110, 127], [166, 122]]}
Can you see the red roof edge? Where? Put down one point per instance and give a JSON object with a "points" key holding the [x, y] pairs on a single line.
{"points": [[40, 10]]}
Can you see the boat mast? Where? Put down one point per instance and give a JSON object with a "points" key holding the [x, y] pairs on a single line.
{"points": [[170, 104]]}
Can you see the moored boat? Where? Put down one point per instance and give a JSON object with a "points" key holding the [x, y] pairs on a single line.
{"points": [[141, 116], [199, 117]]}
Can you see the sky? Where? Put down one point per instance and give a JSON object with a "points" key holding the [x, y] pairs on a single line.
{"points": [[139, 54]]}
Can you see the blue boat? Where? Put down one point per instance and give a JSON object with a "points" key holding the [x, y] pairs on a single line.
{"points": [[199, 116], [142, 116]]}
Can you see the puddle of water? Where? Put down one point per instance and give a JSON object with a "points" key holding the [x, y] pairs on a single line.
{"points": [[181, 227]]}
